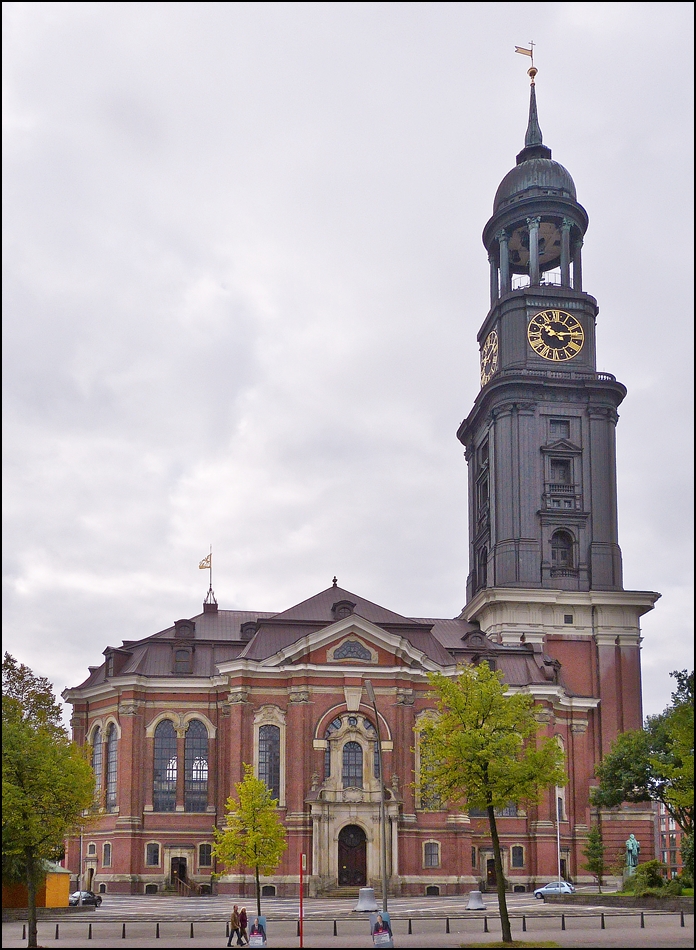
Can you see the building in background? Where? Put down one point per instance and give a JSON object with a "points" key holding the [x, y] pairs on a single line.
{"points": [[668, 841], [172, 718]]}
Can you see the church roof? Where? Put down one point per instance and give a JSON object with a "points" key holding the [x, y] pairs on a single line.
{"points": [[216, 637]]}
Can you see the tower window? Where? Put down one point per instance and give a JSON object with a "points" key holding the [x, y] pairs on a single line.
{"points": [[559, 429], [482, 568], [560, 471], [567, 618], [483, 496], [483, 454], [561, 551]]}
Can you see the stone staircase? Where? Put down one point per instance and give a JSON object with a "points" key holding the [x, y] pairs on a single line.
{"points": [[349, 893]]}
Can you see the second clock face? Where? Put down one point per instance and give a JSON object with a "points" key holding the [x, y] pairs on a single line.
{"points": [[489, 357], [555, 335]]}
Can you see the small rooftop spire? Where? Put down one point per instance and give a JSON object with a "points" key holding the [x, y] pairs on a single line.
{"points": [[335, 581]]}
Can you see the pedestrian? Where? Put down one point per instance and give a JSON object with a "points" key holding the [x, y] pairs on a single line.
{"points": [[234, 926], [243, 925]]}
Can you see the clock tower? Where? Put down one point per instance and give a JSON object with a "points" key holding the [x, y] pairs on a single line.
{"points": [[544, 558]]}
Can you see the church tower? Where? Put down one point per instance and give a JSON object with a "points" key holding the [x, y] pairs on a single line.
{"points": [[545, 564]]}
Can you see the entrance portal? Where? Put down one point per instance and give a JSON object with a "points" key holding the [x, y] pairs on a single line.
{"points": [[178, 870], [352, 857]]}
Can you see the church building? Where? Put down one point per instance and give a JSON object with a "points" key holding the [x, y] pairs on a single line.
{"points": [[172, 718]]}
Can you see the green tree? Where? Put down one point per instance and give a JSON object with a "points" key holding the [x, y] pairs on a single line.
{"points": [[483, 751], [655, 763], [46, 781], [594, 852], [254, 835]]}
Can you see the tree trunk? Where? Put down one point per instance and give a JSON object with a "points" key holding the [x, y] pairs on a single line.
{"points": [[31, 896], [258, 892], [500, 879]]}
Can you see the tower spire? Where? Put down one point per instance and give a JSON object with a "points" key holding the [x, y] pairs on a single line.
{"points": [[533, 136]]}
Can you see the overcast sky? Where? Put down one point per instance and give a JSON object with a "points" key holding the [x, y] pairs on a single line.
{"points": [[243, 281]]}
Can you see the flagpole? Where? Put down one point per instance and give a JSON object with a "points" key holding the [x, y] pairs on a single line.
{"points": [[211, 567]]}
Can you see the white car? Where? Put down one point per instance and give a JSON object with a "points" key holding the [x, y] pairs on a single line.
{"points": [[555, 887]]}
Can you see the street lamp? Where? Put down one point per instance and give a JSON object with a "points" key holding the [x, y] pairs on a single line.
{"points": [[382, 816]]}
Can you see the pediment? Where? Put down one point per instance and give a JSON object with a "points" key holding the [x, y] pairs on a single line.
{"points": [[351, 641], [562, 445]]}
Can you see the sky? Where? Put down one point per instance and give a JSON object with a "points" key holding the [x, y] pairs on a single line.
{"points": [[243, 281]]}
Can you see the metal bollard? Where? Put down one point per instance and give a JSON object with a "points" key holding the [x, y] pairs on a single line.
{"points": [[227, 929], [335, 930], [409, 926], [89, 932], [642, 920], [298, 928], [157, 930], [447, 930], [603, 925], [682, 918], [123, 931], [524, 924], [191, 934], [485, 925], [562, 921], [57, 932], [24, 930]]}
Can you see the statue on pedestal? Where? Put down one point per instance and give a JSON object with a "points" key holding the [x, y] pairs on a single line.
{"points": [[632, 852]]}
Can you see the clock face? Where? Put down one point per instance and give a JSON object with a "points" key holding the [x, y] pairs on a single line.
{"points": [[555, 335], [489, 357]]}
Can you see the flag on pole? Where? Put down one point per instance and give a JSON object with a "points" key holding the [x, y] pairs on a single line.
{"points": [[525, 52], [206, 562]]}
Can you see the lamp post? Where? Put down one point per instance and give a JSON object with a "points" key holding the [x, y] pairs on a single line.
{"points": [[559, 802], [382, 815]]}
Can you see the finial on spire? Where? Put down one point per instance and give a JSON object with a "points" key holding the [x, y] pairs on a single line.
{"points": [[335, 581]]}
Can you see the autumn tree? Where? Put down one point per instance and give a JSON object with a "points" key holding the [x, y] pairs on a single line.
{"points": [[46, 781], [253, 835], [594, 852], [483, 751], [655, 763]]}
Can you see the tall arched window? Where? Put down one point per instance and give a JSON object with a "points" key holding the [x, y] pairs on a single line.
{"points": [[164, 798], [196, 767], [97, 764], [269, 758], [561, 551], [352, 765], [111, 767]]}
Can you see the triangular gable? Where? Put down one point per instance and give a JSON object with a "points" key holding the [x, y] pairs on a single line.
{"points": [[561, 445], [319, 609], [319, 647]]}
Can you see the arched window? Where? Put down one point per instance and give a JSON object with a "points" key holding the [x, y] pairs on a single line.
{"points": [[196, 767], [352, 765], [106, 860], [561, 551], [164, 789], [97, 764], [431, 854], [269, 758], [111, 767]]}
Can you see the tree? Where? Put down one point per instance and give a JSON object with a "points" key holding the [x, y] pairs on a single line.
{"points": [[655, 763], [483, 751], [46, 781], [253, 836], [594, 852]]}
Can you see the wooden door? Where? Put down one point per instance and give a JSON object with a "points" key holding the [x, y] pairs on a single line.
{"points": [[178, 869], [352, 857]]}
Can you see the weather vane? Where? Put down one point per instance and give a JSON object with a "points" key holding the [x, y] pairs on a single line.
{"points": [[532, 71]]}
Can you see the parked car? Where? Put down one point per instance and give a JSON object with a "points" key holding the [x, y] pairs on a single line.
{"points": [[88, 897], [554, 887]]}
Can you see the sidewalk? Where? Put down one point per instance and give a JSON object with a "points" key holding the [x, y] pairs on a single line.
{"points": [[659, 931]]}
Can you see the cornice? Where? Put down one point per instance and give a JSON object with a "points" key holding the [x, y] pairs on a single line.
{"points": [[643, 600]]}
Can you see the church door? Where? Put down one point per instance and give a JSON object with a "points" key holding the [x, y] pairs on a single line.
{"points": [[178, 870], [352, 857], [491, 878]]}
